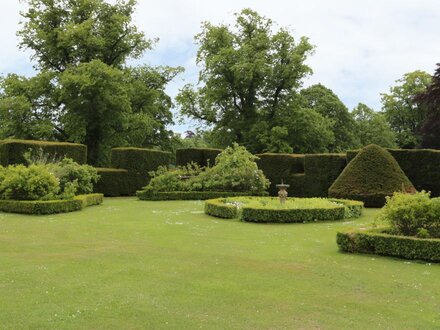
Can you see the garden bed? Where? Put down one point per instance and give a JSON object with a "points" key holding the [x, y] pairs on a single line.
{"points": [[383, 242], [269, 209], [52, 206]]}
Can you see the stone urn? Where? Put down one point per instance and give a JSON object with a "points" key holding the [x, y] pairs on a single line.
{"points": [[282, 193]]}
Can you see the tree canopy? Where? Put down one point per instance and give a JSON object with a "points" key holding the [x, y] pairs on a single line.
{"points": [[250, 75], [402, 111], [84, 91]]}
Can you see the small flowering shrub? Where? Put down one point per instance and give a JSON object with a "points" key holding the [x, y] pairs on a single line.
{"points": [[413, 214], [235, 170]]}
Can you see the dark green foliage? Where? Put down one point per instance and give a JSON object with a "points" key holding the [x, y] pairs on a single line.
{"points": [[382, 243], [14, 151], [187, 195], [321, 171], [113, 182], [201, 156], [218, 208], [371, 176], [421, 166], [50, 207], [253, 214], [139, 162], [282, 167]]}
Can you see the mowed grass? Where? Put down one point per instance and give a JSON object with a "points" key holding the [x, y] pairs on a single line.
{"points": [[129, 264]]}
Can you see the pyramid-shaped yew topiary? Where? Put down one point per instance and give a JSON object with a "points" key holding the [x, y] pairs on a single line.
{"points": [[371, 176]]}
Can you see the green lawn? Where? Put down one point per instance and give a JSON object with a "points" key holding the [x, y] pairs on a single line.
{"points": [[165, 265]]}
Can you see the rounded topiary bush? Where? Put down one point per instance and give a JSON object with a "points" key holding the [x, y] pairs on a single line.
{"points": [[370, 177]]}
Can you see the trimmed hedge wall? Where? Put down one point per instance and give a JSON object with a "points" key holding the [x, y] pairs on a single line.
{"points": [[187, 195], [201, 156], [138, 162], [12, 151], [421, 166], [50, 207], [253, 214], [218, 208], [382, 243], [283, 167], [321, 170], [113, 182]]}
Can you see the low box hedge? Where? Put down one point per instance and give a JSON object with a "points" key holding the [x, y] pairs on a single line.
{"points": [[218, 208], [381, 242], [12, 151], [252, 214], [50, 207], [186, 195]]}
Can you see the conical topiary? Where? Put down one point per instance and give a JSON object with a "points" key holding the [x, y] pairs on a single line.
{"points": [[371, 176]]}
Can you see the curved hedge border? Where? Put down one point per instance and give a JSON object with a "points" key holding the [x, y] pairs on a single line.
{"points": [[382, 243], [253, 214], [186, 195], [50, 207], [347, 209]]}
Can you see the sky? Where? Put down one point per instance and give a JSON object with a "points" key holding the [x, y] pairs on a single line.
{"points": [[362, 47]]}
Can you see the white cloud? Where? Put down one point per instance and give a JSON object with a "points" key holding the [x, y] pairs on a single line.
{"points": [[362, 47]]}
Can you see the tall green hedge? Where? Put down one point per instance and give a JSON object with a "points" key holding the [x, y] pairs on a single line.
{"points": [[138, 162], [321, 170], [201, 156], [288, 168], [421, 166], [12, 151], [113, 182]]}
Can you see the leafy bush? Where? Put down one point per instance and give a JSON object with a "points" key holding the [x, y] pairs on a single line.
{"points": [[28, 183], [235, 170], [69, 173], [413, 214], [185, 195]]}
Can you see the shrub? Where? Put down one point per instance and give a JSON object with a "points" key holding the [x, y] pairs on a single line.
{"points": [[204, 157], [181, 178], [413, 215], [186, 195], [50, 206], [383, 243], [268, 209], [235, 170], [321, 171], [288, 168], [139, 162], [371, 176], [28, 183], [13, 151], [68, 172], [113, 182]]}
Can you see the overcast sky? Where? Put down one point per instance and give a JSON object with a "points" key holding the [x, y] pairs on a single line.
{"points": [[361, 47]]}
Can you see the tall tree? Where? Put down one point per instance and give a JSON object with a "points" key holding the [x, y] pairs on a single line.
{"points": [[403, 113], [430, 100], [84, 91], [325, 102], [372, 127], [250, 73]]}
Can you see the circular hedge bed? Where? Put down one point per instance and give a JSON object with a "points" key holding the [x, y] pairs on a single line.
{"points": [[269, 209]]}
